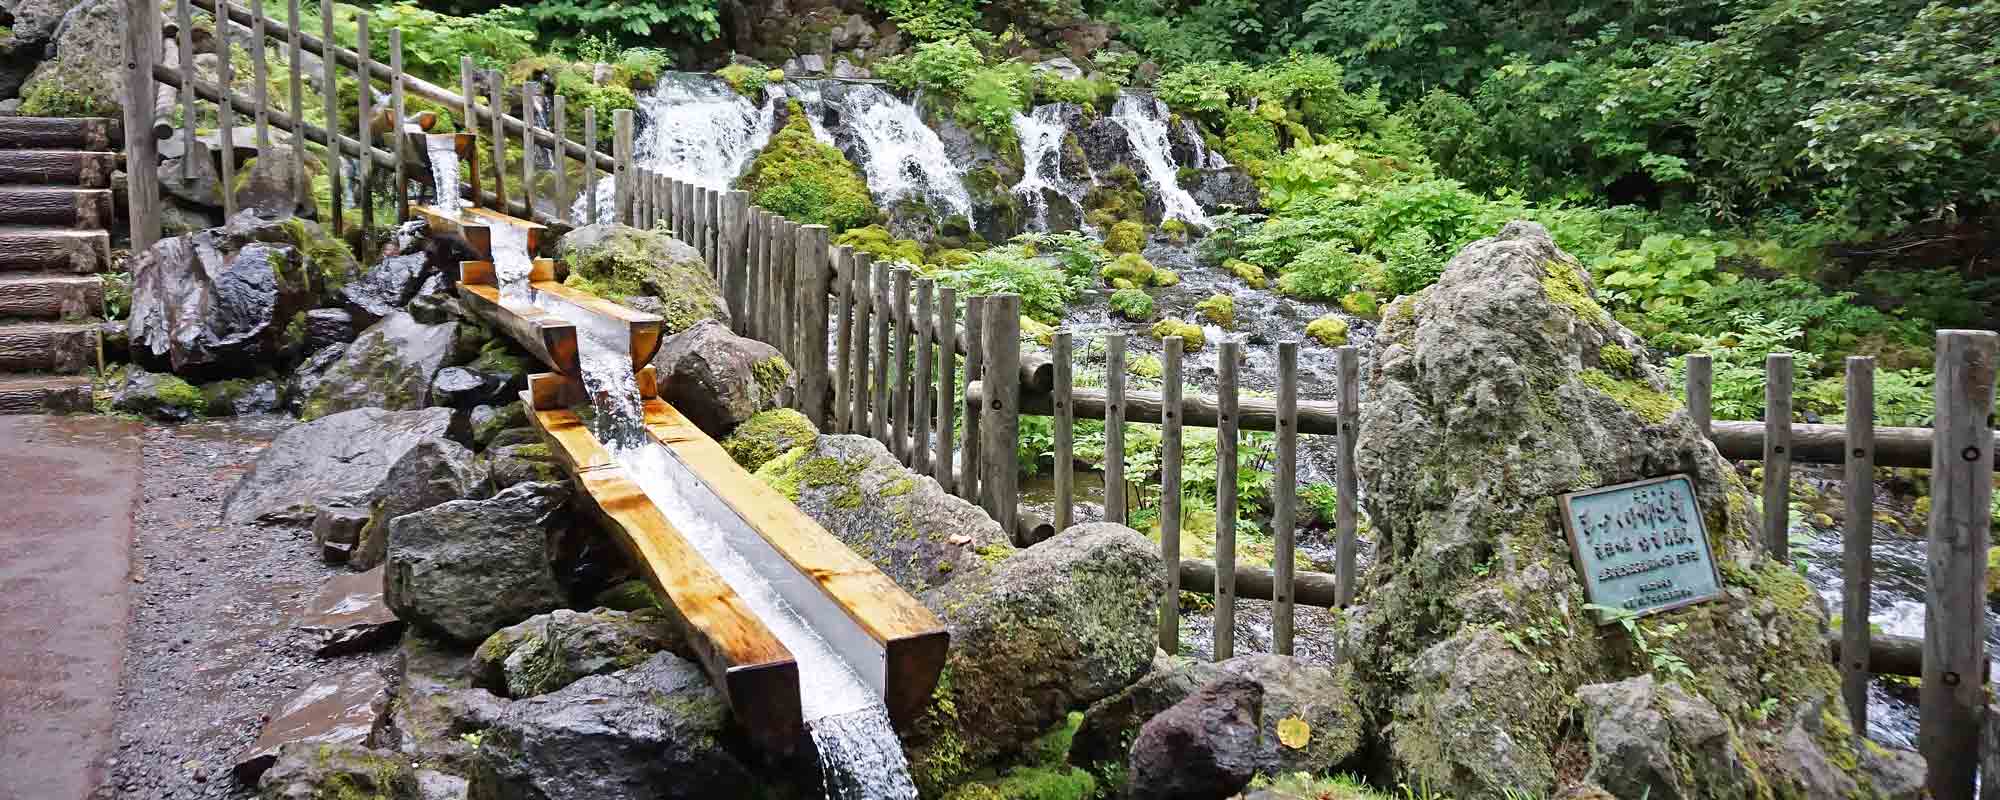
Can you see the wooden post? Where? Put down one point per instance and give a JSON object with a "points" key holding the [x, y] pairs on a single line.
{"points": [[1114, 429], [1777, 458], [396, 125], [590, 166], [365, 198], [296, 94], [788, 305], [1700, 386], [815, 386], [528, 147], [920, 390], [947, 406], [1346, 477], [861, 292], [563, 200], [1953, 698], [142, 149], [622, 182], [1001, 429], [1170, 496], [736, 250], [760, 276], [1225, 499], [260, 71], [879, 404], [184, 35], [975, 370], [713, 199], [1284, 498], [470, 123], [1857, 567], [225, 115], [843, 339], [1065, 424], [899, 388], [329, 82]]}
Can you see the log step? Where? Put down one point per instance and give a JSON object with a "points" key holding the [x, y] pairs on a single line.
{"points": [[34, 133], [41, 394], [83, 209], [85, 168], [26, 248], [41, 296], [48, 346]]}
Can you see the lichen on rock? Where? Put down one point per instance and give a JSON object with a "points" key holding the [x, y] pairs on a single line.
{"points": [[619, 263], [767, 435]]}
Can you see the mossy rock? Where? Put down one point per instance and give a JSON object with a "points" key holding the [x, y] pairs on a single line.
{"points": [[1148, 366], [1166, 277], [767, 435], [1132, 304], [877, 241], [1126, 237], [1361, 304], [1192, 339], [620, 263], [631, 595], [1131, 268], [1219, 309], [1250, 274], [1329, 330], [808, 181]]}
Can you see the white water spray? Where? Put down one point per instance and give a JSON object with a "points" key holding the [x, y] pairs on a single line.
{"points": [[443, 154], [511, 262], [1041, 135], [902, 158], [1144, 119]]}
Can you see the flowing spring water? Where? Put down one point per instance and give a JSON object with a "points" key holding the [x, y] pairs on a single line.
{"points": [[697, 130], [1144, 119], [443, 154], [511, 262], [1041, 133], [902, 158]]}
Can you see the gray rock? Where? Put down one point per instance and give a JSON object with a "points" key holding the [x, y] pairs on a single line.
{"points": [[340, 459], [273, 185], [467, 568], [525, 462], [1103, 740], [719, 379], [86, 60], [1062, 67], [341, 709], [389, 366], [553, 650], [1203, 747], [1057, 626], [328, 326], [306, 377], [317, 771], [217, 300], [1215, 188], [435, 785], [162, 397], [431, 472], [336, 529], [435, 713], [202, 187], [347, 615], [489, 424], [240, 397], [906, 525], [385, 288], [461, 388], [653, 732]]}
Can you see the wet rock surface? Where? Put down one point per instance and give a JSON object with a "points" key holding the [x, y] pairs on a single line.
{"points": [[159, 396], [316, 770], [384, 288], [390, 365], [718, 379], [349, 616], [217, 300], [553, 650], [339, 709], [342, 460], [468, 568], [1201, 747], [432, 471]]}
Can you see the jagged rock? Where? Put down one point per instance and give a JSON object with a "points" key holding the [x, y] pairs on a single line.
{"points": [[336, 529], [274, 185], [1062, 67], [467, 568], [389, 366], [217, 300], [1215, 188], [307, 376], [553, 650], [385, 288], [328, 326], [431, 472], [1496, 390], [436, 720], [306, 771], [35, 21], [902, 522], [163, 397], [1634, 726], [341, 709], [435, 785], [348, 615], [202, 187], [657, 731], [1203, 747], [462, 388], [719, 379], [1057, 626], [489, 421], [238, 397], [86, 63], [340, 459], [523, 462], [629, 262]]}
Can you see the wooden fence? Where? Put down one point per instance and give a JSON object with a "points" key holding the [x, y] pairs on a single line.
{"points": [[877, 349]]}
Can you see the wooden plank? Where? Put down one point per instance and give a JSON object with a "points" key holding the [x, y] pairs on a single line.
{"points": [[364, 196], [184, 40], [975, 363], [736, 277], [62, 133], [810, 244], [1114, 428], [843, 339], [1777, 461], [1347, 477], [402, 140], [1064, 426], [66, 206], [899, 387], [527, 145], [1700, 391], [913, 641], [81, 169], [920, 384], [294, 84], [743, 659], [31, 248], [47, 346], [788, 309], [1284, 500], [260, 71], [548, 337], [564, 203], [225, 112], [1315, 589], [1229, 353], [878, 407], [642, 329], [861, 421], [1857, 540], [1170, 496], [142, 50], [548, 391], [496, 107], [51, 296], [1000, 468], [330, 85], [1952, 700], [947, 385], [590, 170]]}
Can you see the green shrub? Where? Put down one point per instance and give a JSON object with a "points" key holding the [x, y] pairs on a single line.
{"points": [[433, 42], [1046, 292], [1328, 270], [1133, 304], [1148, 366], [1361, 304], [808, 181]]}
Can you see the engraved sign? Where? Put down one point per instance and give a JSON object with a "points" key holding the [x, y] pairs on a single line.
{"points": [[1641, 546]]}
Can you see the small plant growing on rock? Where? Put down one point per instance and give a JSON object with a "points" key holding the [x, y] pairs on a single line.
{"points": [[1132, 304]]}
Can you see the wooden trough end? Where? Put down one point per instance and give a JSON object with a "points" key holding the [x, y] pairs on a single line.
{"points": [[549, 337], [755, 673], [474, 225], [893, 642]]}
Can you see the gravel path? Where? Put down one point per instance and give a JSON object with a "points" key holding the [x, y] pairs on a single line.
{"points": [[212, 646]]}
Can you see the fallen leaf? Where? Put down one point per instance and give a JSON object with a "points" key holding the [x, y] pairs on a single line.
{"points": [[1294, 732]]}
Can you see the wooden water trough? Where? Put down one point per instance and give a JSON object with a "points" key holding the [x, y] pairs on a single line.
{"points": [[893, 643]]}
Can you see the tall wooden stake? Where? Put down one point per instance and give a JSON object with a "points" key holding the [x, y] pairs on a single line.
{"points": [[1953, 697]]}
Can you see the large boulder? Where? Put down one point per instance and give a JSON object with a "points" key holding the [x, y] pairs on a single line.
{"points": [[1057, 626], [904, 523], [657, 731], [467, 568], [322, 771], [274, 184], [85, 73], [1497, 390], [217, 300], [619, 262], [718, 379], [553, 650], [1201, 748], [432, 472], [767, 435], [340, 459], [390, 365]]}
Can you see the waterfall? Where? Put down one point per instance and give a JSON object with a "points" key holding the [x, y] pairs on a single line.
{"points": [[860, 756], [443, 153], [696, 130], [1041, 134], [1144, 119], [511, 262], [902, 158]]}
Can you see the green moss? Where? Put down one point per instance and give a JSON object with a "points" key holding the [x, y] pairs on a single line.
{"points": [[1148, 366], [771, 374], [1616, 359], [1219, 309], [1166, 277], [1125, 237], [1192, 339], [877, 241], [1033, 330], [794, 471], [173, 392], [1175, 230], [1562, 285], [330, 263], [1362, 304], [1250, 274], [62, 93], [1652, 406], [1132, 304], [767, 435], [1132, 268], [747, 80], [1330, 330], [808, 181], [631, 595]]}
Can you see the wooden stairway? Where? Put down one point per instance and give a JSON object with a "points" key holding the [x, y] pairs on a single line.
{"points": [[56, 210]]}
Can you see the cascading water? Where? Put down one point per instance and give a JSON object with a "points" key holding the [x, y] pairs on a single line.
{"points": [[1041, 133], [1144, 119], [443, 154], [511, 262], [902, 158], [697, 130]]}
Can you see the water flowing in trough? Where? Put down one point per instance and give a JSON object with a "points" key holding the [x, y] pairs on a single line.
{"points": [[443, 154], [1144, 119], [859, 754]]}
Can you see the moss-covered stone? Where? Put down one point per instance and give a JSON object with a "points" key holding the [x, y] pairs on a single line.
{"points": [[631, 595], [808, 181], [1329, 330], [618, 263], [748, 80], [1148, 366], [877, 241], [1191, 335], [1132, 304], [1362, 304], [1132, 268], [1650, 404], [1250, 274], [1127, 236], [768, 435], [1218, 309], [1615, 358]]}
